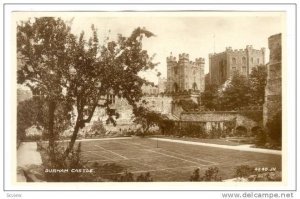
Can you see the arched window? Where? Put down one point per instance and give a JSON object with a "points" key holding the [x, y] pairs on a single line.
{"points": [[233, 60], [175, 87], [175, 70], [244, 69], [244, 60], [195, 86]]}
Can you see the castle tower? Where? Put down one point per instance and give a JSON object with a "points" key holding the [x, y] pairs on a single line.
{"points": [[200, 68], [273, 90], [183, 66], [185, 75], [171, 65], [223, 65]]}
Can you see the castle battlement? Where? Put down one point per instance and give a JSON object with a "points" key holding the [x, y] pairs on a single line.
{"points": [[171, 59], [228, 48], [200, 60], [183, 56]]}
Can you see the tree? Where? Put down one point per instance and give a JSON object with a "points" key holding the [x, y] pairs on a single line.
{"points": [[109, 69], [258, 82], [63, 68], [209, 98], [235, 94], [147, 118], [28, 114], [43, 46]]}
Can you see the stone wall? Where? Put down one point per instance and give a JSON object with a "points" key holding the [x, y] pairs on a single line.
{"points": [[273, 91], [222, 120]]}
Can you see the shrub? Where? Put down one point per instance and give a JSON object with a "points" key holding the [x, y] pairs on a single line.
{"points": [[126, 177], [144, 178], [97, 129], [73, 161], [215, 132], [196, 175], [243, 171], [193, 130], [210, 175]]}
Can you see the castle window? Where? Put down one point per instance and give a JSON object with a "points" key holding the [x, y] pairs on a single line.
{"points": [[175, 71], [195, 86], [220, 63], [258, 60], [244, 60], [233, 61], [244, 69], [251, 60]]}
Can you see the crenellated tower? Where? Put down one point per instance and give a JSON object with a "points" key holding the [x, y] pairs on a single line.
{"points": [[185, 75]]}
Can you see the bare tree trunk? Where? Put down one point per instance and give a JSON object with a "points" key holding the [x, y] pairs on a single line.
{"points": [[52, 107], [79, 124], [73, 138]]}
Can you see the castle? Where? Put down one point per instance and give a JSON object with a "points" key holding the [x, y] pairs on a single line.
{"points": [[184, 75], [222, 65]]}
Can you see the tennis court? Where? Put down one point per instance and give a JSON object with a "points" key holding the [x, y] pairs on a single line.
{"points": [[171, 161]]}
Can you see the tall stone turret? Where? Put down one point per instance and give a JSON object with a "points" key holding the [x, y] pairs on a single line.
{"points": [[273, 90], [171, 64]]}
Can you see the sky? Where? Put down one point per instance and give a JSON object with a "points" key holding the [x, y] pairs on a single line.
{"points": [[195, 33]]}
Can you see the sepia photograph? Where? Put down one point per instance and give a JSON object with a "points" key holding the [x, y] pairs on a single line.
{"points": [[149, 96]]}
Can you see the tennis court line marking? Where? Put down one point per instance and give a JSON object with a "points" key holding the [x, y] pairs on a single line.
{"points": [[99, 155], [150, 166], [153, 170], [176, 157], [125, 158], [237, 148], [147, 147], [212, 163]]}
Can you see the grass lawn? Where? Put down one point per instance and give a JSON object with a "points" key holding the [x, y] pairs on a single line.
{"points": [[169, 161], [221, 141]]}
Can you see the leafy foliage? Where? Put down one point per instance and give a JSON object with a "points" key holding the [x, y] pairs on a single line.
{"points": [[98, 128], [236, 93], [209, 98], [28, 114], [244, 171], [147, 118], [144, 177], [193, 130], [258, 82], [74, 161], [34, 111], [126, 177], [211, 174], [61, 67]]}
